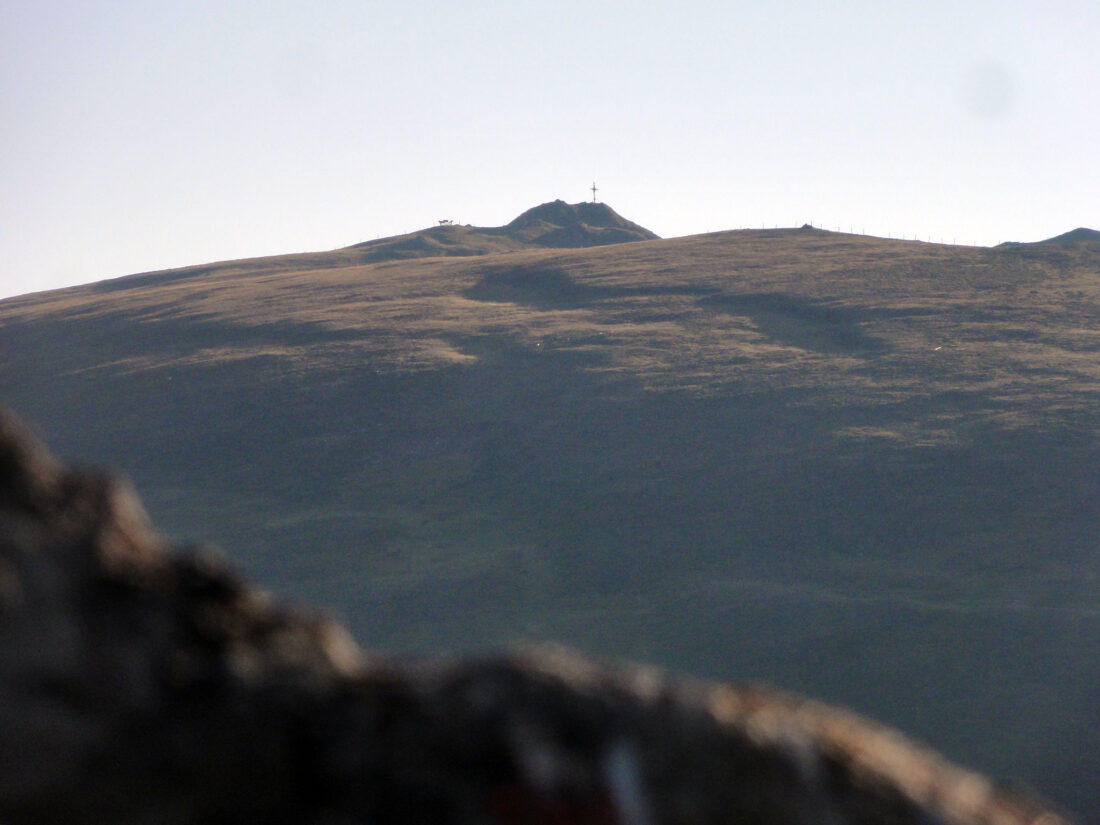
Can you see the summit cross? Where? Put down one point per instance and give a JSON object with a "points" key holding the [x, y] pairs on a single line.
{"points": [[594, 192]]}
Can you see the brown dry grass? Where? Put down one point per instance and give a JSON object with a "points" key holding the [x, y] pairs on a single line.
{"points": [[881, 320]]}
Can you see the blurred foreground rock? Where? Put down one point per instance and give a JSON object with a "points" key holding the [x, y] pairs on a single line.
{"points": [[139, 685]]}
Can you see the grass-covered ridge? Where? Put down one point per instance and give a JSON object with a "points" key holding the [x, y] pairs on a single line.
{"points": [[554, 225]]}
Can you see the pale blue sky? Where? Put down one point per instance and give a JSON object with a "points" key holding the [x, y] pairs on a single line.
{"points": [[144, 135]]}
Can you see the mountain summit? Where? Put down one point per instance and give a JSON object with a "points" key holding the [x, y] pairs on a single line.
{"points": [[554, 225], [1073, 238], [561, 224]]}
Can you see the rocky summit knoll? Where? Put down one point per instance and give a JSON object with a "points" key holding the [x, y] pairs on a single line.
{"points": [[144, 685]]}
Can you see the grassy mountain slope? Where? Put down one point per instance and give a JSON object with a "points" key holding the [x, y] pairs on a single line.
{"points": [[859, 468]]}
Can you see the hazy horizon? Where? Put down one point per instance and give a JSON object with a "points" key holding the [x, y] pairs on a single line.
{"points": [[140, 138]]}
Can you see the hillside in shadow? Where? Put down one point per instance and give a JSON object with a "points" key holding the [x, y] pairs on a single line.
{"points": [[857, 468], [232, 707]]}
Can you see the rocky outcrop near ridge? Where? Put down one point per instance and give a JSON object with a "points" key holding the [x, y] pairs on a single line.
{"points": [[141, 683]]}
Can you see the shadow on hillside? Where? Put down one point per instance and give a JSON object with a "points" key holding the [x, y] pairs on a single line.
{"points": [[786, 319], [118, 337], [554, 288], [798, 322]]}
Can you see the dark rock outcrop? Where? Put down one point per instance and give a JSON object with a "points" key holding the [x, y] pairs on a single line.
{"points": [[146, 684]]}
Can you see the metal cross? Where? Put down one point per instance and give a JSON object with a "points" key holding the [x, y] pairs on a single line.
{"points": [[593, 192]]}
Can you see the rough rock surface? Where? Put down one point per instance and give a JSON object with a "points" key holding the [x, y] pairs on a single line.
{"points": [[146, 684]]}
